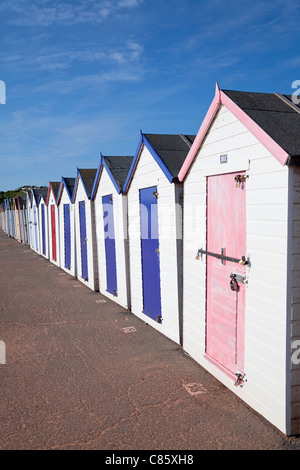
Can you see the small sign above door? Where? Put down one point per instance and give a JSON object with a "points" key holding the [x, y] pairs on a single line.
{"points": [[223, 158]]}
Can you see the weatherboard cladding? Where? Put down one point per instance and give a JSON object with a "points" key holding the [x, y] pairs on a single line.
{"points": [[65, 201], [82, 194], [110, 169], [277, 118], [272, 244], [157, 162]]}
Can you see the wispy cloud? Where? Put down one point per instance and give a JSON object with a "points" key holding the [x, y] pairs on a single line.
{"points": [[46, 13], [63, 59], [90, 82]]}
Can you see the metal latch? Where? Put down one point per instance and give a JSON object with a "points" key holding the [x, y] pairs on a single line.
{"points": [[235, 279], [239, 278], [243, 261]]}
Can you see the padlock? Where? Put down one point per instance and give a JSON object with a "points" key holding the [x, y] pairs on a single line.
{"points": [[233, 283]]}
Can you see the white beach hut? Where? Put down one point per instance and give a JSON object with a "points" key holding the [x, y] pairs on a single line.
{"points": [[53, 223], [155, 231], [34, 241], [43, 230], [110, 206], [85, 231], [241, 298], [66, 226]]}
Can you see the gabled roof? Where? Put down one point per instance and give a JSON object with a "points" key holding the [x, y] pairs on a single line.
{"points": [[87, 177], [271, 117], [28, 197], [36, 193], [54, 186], [117, 168], [275, 114], [43, 193], [67, 183], [168, 150]]}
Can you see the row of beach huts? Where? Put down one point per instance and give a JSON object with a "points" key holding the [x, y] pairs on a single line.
{"points": [[197, 235]]}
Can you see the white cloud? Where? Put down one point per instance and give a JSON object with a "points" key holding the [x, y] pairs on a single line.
{"points": [[46, 13]]}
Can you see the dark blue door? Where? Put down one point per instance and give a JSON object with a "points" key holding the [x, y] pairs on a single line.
{"points": [[35, 226], [43, 229], [67, 227], [110, 245], [10, 223], [150, 253], [83, 241]]}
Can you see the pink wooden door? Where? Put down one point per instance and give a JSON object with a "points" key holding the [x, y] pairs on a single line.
{"points": [[226, 232], [53, 228]]}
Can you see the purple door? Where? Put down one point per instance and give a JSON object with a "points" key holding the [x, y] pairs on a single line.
{"points": [[150, 253]]}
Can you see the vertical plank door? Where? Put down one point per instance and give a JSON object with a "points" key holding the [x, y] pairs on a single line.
{"points": [[83, 241], [35, 227], [110, 245], [53, 228], [67, 236], [226, 232], [43, 229], [150, 253]]}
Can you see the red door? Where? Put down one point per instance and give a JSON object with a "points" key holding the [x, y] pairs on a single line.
{"points": [[53, 228], [226, 233]]}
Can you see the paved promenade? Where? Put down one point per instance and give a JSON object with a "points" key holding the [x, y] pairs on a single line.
{"points": [[83, 373]]}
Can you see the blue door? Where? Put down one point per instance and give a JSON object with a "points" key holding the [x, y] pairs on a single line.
{"points": [[10, 221], [110, 245], [43, 229], [83, 241], [150, 253], [35, 225], [67, 236], [30, 227]]}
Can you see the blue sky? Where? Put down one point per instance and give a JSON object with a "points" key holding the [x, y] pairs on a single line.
{"points": [[84, 76]]}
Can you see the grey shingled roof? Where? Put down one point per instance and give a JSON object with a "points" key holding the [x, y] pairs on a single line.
{"points": [[119, 168], [277, 118], [171, 148], [44, 192], [55, 187], [88, 178], [70, 183]]}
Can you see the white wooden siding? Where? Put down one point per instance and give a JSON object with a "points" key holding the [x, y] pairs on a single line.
{"points": [[106, 187], [267, 222], [66, 200], [295, 306], [40, 229], [148, 174], [92, 282]]}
